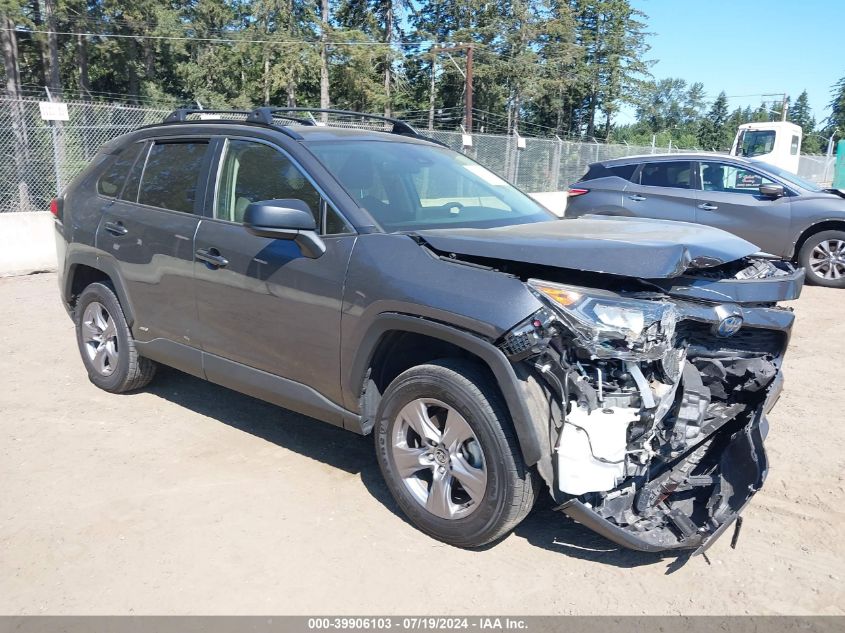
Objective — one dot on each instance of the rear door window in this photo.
(112, 180)
(171, 175)
(133, 182)
(677, 174)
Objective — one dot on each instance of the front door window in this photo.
(728, 178)
(252, 172)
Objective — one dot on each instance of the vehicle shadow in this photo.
(556, 532)
(354, 454)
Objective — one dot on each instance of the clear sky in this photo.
(749, 46)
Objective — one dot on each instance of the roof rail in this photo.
(265, 115)
(181, 114)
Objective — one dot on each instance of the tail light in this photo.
(577, 192)
(56, 208)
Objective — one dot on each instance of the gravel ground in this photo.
(189, 498)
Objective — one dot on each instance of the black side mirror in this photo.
(287, 219)
(772, 191)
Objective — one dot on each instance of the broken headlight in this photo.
(609, 325)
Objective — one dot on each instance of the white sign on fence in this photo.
(53, 111)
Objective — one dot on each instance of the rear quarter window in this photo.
(117, 169)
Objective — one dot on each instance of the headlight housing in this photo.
(609, 325)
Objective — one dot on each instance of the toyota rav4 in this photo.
(378, 281)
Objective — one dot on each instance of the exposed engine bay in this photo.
(660, 398)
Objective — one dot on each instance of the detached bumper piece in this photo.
(692, 504)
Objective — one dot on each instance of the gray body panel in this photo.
(660, 203)
(482, 302)
(758, 220)
(775, 226)
(271, 308)
(155, 259)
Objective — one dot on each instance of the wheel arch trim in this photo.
(97, 262)
(528, 430)
(818, 226)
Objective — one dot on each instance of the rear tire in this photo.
(469, 455)
(105, 343)
(823, 259)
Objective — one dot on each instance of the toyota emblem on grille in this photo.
(728, 326)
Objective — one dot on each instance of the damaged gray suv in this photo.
(380, 282)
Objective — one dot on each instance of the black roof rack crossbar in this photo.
(265, 115)
(180, 115)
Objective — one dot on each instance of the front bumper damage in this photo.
(742, 468)
(663, 454)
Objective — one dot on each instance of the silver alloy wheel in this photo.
(439, 458)
(828, 259)
(99, 338)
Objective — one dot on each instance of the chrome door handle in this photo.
(636, 197)
(212, 257)
(116, 228)
(708, 206)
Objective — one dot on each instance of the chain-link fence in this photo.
(538, 164)
(38, 158)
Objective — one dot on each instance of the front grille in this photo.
(754, 340)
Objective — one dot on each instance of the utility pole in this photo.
(467, 78)
(783, 106)
(468, 90)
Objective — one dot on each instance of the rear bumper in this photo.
(742, 469)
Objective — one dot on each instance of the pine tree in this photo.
(836, 120)
(556, 80)
(713, 132)
(611, 34)
(801, 114)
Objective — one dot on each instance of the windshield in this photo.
(407, 187)
(757, 142)
(788, 176)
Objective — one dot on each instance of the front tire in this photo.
(106, 344)
(446, 448)
(823, 259)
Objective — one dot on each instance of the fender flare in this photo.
(108, 268)
(530, 431)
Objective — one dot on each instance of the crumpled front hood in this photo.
(633, 247)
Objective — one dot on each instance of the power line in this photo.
(220, 40)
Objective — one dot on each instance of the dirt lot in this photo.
(189, 498)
